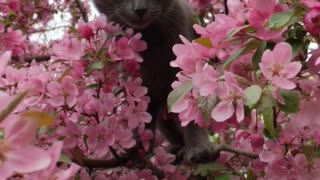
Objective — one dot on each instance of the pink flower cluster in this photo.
(91, 87)
(245, 79)
(249, 78)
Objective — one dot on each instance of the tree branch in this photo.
(36, 58)
(97, 163)
(225, 147)
(226, 10)
(82, 11)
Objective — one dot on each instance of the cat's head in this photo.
(137, 14)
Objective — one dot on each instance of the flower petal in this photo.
(223, 111)
(283, 83)
(292, 69)
(240, 110)
(283, 53)
(28, 159)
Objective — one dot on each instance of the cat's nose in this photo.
(140, 12)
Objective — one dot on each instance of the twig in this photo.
(37, 58)
(226, 10)
(225, 147)
(96, 163)
(82, 11)
(114, 153)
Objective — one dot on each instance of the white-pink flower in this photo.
(68, 49)
(205, 81)
(52, 171)
(163, 160)
(17, 154)
(64, 92)
(4, 59)
(231, 95)
(277, 67)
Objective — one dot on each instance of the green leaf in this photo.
(291, 100)
(251, 44)
(207, 168)
(65, 159)
(233, 57)
(93, 86)
(95, 66)
(296, 44)
(12, 105)
(234, 31)
(6, 22)
(268, 120)
(251, 175)
(206, 104)
(177, 94)
(258, 54)
(280, 20)
(266, 101)
(224, 177)
(252, 95)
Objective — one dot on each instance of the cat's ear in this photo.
(104, 6)
(103, 3)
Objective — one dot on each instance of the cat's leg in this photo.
(169, 126)
(198, 148)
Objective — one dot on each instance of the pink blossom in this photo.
(189, 54)
(17, 153)
(162, 160)
(14, 75)
(98, 23)
(137, 115)
(145, 137)
(4, 59)
(52, 172)
(135, 91)
(124, 138)
(259, 14)
(276, 66)
(205, 81)
(68, 49)
(248, 141)
(229, 92)
(85, 30)
(13, 40)
(217, 30)
(313, 63)
(64, 92)
(14, 5)
(137, 44)
(99, 138)
(292, 167)
(71, 134)
(312, 21)
(104, 105)
(199, 4)
(311, 3)
(146, 174)
(120, 50)
(187, 107)
(139, 175)
(37, 79)
(261, 11)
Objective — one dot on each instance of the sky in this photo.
(59, 20)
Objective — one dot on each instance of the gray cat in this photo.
(160, 22)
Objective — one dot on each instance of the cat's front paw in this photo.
(201, 153)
